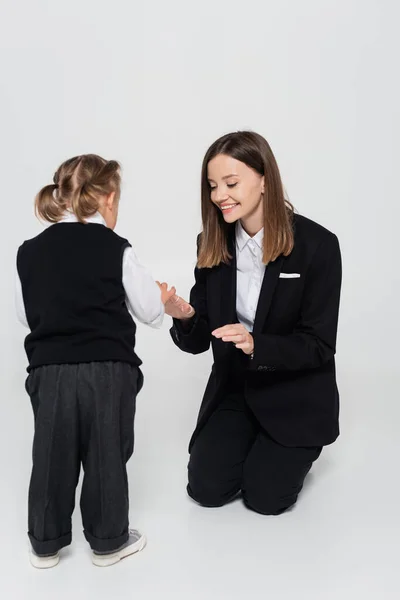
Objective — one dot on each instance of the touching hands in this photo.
(175, 306)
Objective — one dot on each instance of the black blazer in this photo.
(290, 384)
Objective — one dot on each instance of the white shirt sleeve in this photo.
(143, 296)
(19, 302)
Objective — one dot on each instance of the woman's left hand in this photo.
(238, 335)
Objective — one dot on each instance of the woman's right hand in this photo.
(176, 307)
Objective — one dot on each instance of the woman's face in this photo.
(235, 189)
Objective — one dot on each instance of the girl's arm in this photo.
(143, 297)
(19, 302)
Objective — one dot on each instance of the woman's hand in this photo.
(175, 306)
(238, 335)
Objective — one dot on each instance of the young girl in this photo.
(266, 297)
(77, 284)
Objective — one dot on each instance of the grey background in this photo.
(152, 84)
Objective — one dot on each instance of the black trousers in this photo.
(233, 454)
(84, 414)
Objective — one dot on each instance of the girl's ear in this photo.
(110, 199)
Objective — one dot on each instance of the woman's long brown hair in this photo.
(253, 150)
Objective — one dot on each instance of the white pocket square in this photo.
(289, 275)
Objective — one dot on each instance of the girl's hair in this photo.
(253, 150)
(78, 186)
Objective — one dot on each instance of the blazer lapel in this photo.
(228, 290)
(270, 280)
(222, 295)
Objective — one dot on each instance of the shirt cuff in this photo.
(158, 321)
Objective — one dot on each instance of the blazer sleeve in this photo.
(313, 341)
(193, 335)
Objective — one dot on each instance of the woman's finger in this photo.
(178, 300)
(229, 330)
(187, 309)
(236, 339)
(244, 346)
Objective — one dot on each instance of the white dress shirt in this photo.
(143, 296)
(250, 274)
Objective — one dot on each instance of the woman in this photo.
(266, 297)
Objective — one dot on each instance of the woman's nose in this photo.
(221, 195)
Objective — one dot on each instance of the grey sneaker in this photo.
(44, 561)
(135, 543)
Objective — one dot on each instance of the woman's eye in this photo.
(231, 185)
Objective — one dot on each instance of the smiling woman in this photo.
(241, 178)
(266, 297)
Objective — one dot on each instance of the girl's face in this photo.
(235, 189)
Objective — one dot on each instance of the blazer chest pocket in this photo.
(288, 294)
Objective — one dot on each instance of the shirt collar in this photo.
(70, 217)
(243, 238)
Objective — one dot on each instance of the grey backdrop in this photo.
(152, 84)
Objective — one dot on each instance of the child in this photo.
(77, 283)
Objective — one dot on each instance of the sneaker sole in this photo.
(107, 560)
(44, 562)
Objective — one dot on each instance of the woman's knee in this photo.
(268, 509)
(209, 492)
(268, 504)
(204, 497)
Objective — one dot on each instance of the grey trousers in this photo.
(84, 414)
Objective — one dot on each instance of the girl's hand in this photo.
(175, 306)
(238, 335)
(166, 294)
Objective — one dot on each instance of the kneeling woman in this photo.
(266, 297)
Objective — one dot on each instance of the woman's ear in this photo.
(263, 185)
